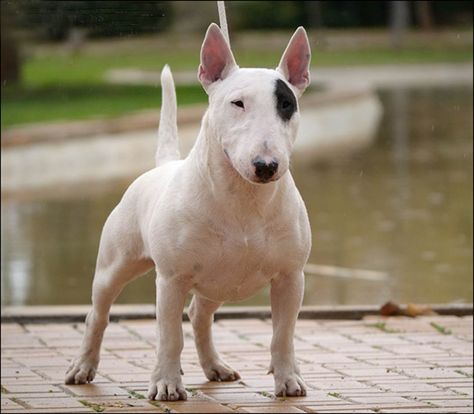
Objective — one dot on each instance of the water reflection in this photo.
(403, 206)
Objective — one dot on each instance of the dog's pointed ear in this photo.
(217, 61)
(294, 64)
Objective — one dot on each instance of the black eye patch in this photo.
(286, 104)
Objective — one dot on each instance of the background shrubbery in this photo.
(52, 20)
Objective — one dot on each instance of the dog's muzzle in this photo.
(265, 171)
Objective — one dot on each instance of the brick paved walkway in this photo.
(374, 365)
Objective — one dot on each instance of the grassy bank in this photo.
(58, 85)
(84, 101)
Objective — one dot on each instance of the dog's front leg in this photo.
(201, 312)
(165, 383)
(286, 298)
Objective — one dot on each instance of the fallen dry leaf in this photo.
(418, 310)
(393, 309)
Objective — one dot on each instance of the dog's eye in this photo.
(285, 104)
(240, 104)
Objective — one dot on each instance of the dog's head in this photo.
(254, 112)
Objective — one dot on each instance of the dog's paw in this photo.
(219, 371)
(290, 386)
(167, 390)
(81, 370)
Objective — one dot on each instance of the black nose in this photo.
(264, 171)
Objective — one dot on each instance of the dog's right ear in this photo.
(217, 61)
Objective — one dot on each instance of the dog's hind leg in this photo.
(201, 312)
(113, 271)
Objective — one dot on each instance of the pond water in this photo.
(402, 207)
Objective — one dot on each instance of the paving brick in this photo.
(451, 402)
(365, 372)
(269, 409)
(350, 407)
(237, 398)
(8, 404)
(392, 362)
(10, 363)
(128, 377)
(47, 403)
(343, 384)
(429, 373)
(53, 394)
(456, 349)
(425, 410)
(467, 390)
(17, 372)
(95, 390)
(381, 399)
(53, 410)
(406, 386)
(115, 404)
(63, 342)
(327, 357)
(449, 361)
(349, 366)
(200, 407)
(262, 382)
(44, 361)
(35, 388)
(351, 410)
(415, 349)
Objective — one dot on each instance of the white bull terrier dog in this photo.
(220, 224)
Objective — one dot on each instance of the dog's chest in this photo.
(230, 260)
(236, 259)
(237, 262)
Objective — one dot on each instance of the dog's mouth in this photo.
(252, 177)
(258, 180)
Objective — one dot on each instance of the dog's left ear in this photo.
(294, 64)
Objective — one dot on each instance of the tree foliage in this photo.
(52, 19)
(339, 14)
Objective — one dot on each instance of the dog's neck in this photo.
(221, 179)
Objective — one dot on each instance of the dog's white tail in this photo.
(167, 149)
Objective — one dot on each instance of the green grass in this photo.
(54, 68)
(379, 56)
(440, 328)
(334, 394)
(266, 394)
(192, 391)
(96, 407)
(466, 374)
(84, 101)
(56, 86)
(382, 326)
(160, 406)
(136, 395)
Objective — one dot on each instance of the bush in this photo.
(289, 14)
(53, 20)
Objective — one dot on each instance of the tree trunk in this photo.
(424, 14)
(10, 59)
(398, 23)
